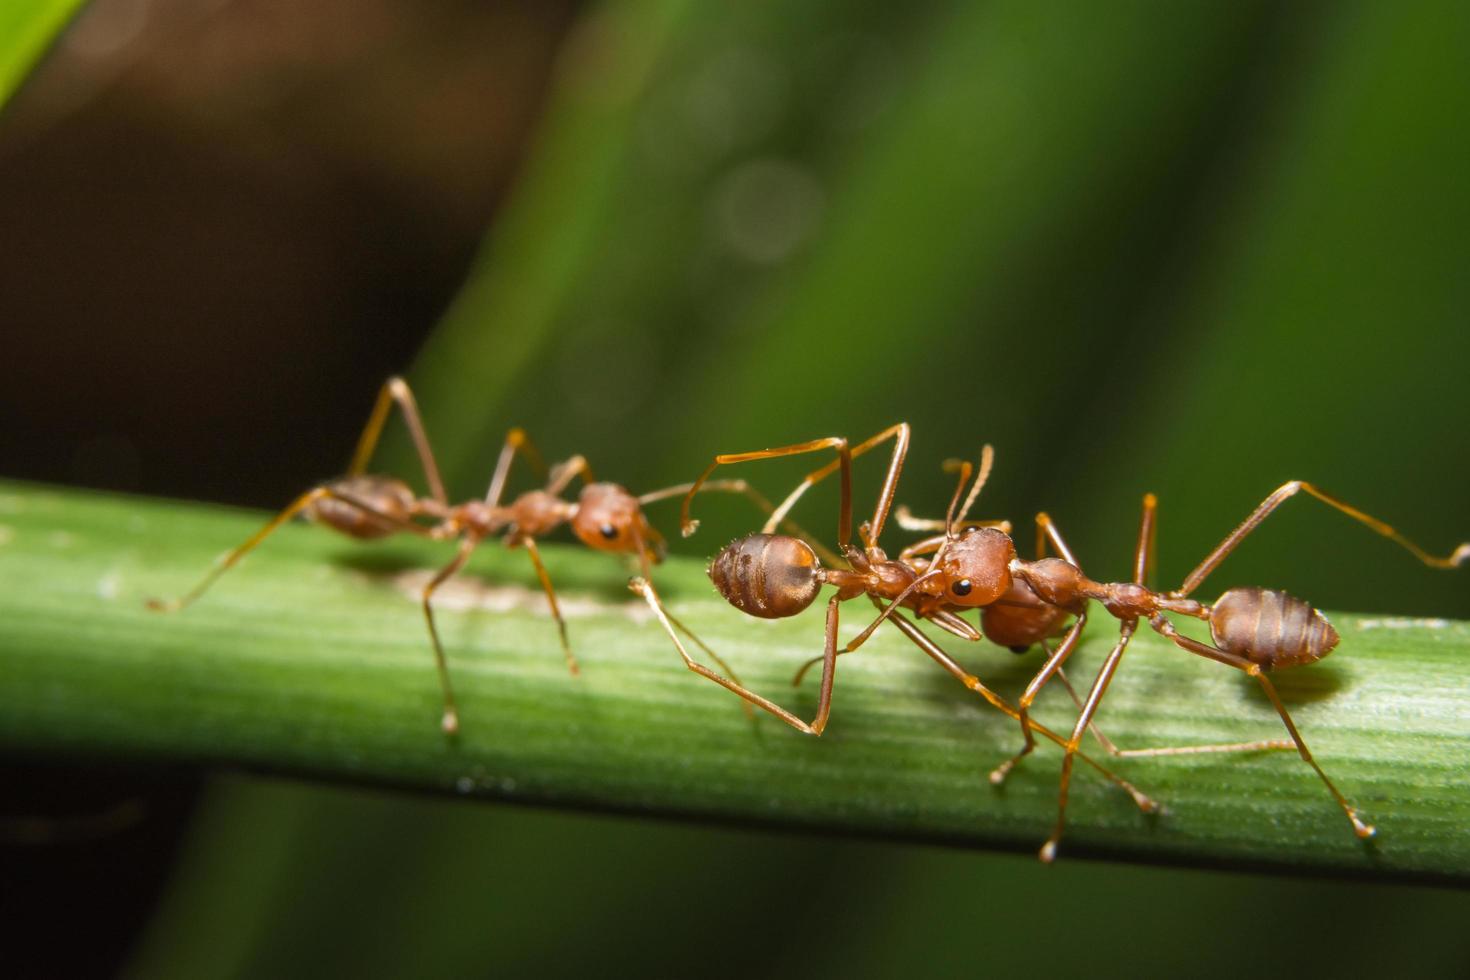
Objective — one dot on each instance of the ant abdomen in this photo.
(392, 500)
(1270, 628)
(1019, 619)
(767, 575)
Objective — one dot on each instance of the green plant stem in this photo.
(311, 658)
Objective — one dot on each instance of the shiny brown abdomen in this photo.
(1270, 628)
(767, 575)
(392, 499)
(1019, 619)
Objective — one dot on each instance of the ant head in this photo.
(975, 567)
(610, 518)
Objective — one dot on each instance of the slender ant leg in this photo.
(516, 441)
(232, 557)
(450, 724)
(1162, 625)
(907, 627)
(844, 459)
(395, 389)
(645, 588)
(755, 497)
(564, 472)
(561, 624)
(1141, 562)
(1280, 496)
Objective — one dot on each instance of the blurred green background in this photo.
(1198, 249)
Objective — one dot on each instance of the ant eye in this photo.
(608, 531)
(962, 587)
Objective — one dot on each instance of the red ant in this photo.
(605, 516)
(773, 576)
(1254, 630)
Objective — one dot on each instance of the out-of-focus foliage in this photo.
(26, 29)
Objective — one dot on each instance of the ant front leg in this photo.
(829, 659)
(395, 389)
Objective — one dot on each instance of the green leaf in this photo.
(311, 658)
(27, 28)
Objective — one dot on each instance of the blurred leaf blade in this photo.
(311, 660)
(537, 251)
(27, 29)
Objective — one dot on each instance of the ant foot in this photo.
(450, 724)
(999, 773)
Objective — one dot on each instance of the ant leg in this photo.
(824, 699)
(844, 463)
(516, 441)
(450, 722)
(945, 620)
(687, 524)
(1162, 625)
(900, 434)
(1102, 739)
(1089, 708)
(1048, 532)
(1261, 745)
(395, 389)
(870, 531)
(909, 520)
(561, 624)
(755, 497)
(924, 546)
(1283, 493)
(230, 559)
(1141, 557)
(1028, 697)
(1144, 802)
(564, 472)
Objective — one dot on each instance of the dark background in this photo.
(1195, 249)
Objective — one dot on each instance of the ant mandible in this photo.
(605, 517)
(1254, 630)
(773, 576)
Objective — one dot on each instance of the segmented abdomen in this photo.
(391, 500)
(767, 575)
(1271, 628)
